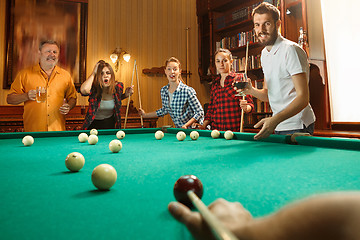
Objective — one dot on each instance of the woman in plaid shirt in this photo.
(105, 95)
(178, 99)
(224, 111)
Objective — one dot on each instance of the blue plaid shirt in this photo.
(183, 106)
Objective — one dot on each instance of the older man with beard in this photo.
(286, 77)
(48, 115)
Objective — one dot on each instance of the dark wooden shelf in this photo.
(225, 5)
(233, 26)
(243, 48)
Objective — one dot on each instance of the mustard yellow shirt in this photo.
(44, 116)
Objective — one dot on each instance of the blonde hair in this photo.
(175, 60)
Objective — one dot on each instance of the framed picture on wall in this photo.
(28, 22)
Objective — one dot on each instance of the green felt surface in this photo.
(41, 199)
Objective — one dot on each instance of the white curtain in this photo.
(342, 48)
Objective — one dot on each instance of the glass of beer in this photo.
(40, 94)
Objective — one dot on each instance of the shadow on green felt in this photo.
(64, 173)
(92, 193)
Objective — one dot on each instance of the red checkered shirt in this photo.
(224, 112)
(94, 104)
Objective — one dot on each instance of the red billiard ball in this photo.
(183, 185)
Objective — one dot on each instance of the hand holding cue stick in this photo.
(220, 231)
(138, 84)
(243, 97)
(128, 103)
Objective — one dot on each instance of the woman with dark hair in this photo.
(105, 95)
(224, 111)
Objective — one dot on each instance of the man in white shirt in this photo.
(286, 77)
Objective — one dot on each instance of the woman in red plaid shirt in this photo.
(105, 95)
(224, 111)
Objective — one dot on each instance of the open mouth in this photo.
(51, 58)
(263, 35)
(106, 81)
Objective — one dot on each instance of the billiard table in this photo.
(41, 199)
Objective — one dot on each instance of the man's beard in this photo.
(271, 40)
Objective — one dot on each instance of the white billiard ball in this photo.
(83, 137)
(215, 133)
(159, 135)
(115, 146)
(120, 134)
(93, 132)
(228, 135)
(194, 135)
(104, 176)
(180, 135)
(74, 161)
(93, 139)
(28, 140)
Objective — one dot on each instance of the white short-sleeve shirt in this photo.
(285, 59)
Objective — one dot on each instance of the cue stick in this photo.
(138, 86)
(187, 54)
(219, 230)
(128, 103)
(243, 97)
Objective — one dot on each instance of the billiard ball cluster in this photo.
(181, 135)
(104, 175)
(228, 135)
(194, 135)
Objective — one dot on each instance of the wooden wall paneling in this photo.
(3, 92)
(150, 30)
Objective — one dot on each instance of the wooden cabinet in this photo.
(11, 118)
